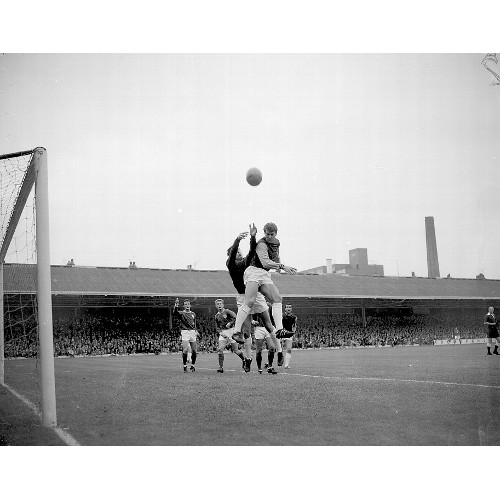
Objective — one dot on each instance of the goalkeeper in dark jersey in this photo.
(187, 319)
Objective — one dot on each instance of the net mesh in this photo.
(18, 244)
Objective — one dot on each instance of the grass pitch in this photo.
(433, 395)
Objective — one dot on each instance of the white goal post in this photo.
(36, 174)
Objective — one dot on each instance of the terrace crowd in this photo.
(97, 333)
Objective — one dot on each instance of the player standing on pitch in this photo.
(492, 331)
(261, 334)
(258, 279)
(289, 324)
(187, 320)
(224, 322)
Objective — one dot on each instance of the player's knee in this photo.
(249, 302)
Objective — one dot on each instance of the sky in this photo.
(147, 155)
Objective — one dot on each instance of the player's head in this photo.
(219, 304)
(270, 231)
(239, 255)
(288, 308)
(491, 309)
(187, 305)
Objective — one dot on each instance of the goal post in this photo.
(35, 173)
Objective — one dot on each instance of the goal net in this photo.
(26, 309)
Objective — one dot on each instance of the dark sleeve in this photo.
(231, 260)
(251, 252)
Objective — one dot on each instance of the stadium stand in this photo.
(106, 311)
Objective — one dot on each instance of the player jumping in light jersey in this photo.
(258, 279)
(187, 320)
(236, 264)
(224, 322)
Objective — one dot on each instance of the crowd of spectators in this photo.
(343, 330)
(99, 333)
(93, 334)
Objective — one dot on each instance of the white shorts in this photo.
(258, 275)
(261, 333)
(189, 335)
(260, 304)
(227, 334)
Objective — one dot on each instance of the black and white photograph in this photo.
(249, 252)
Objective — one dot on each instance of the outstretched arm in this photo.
(270, 264)
(253, 244)
(234, 249)
(176, 307)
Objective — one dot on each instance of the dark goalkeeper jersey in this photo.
(237, 269)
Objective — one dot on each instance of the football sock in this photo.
(240, 354)
(221, 359)
(279, 347)
(258, 358)
(248, 348)
(184, 358)
(270, 358)
(193, 357)
(287, 358)
(277, 310)
(280, 358)
(241, 316)
(488, 347)
(495, 351)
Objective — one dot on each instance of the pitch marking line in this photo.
(372, 378)
(395, 380)
(65, 436)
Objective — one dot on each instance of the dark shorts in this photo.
(492, 334)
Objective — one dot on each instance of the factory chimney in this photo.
(432, 253)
